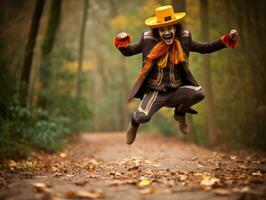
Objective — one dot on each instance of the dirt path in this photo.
(102, 166)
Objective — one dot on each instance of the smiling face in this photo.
(167, 34)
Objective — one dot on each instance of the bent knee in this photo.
(199, 96)
(141, 117)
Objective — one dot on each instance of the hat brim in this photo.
(152, 21)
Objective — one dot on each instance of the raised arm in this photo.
(122, 42)
(228, 40)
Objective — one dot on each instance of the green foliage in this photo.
(165, 125)
(30, 128)
(24, 128)
(47, 135)
(64, 106)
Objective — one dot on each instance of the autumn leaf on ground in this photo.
(63, 155)
(222, 191)
(182, 177)
(243, 167)
(83, 194)
(208, 182)
(10, 164)
(71, 194)
(81, 183)
(233, 157)
(91, 167)
(258, 173)
(29, 165)
(40, 187)
(94, 161)
(144, 182)
(117, 182)
(149, 190)
(93, 194)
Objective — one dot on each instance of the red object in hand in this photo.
(230, 40)
(122, 42)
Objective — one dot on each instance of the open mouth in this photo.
(168, 36)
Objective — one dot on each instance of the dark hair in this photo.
(178, 31)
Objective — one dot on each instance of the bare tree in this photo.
(204, 14)
(47, 47)
(27, 63)
(179, 5)
(81, 47)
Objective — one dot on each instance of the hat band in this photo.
(167, 18)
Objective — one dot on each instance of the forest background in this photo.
(61, 75)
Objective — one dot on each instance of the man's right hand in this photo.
(122, 36)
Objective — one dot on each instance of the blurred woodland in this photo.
(61, 75)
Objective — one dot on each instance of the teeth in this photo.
(168, 36)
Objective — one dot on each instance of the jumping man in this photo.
(165, 79)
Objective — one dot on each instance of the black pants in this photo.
(181, 99)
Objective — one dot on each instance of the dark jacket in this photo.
(148, 41)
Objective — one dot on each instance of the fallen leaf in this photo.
(70, 175)
(247, 190)
(257, 162)
(28, 165)
(258, 173)
(40, 187)
(144, 182)
(148, 171)
(91, 167)
(243, 167)
(233, 157)
(81, 183)
(182, 177)
(91, 194)
(63, 155)
(11, 164)
(200, 165)
(133, 168)
(71, 194)
(149, 190)
(148, 162)
(117, 182)
(58, 174)
(40, 177)
(132, 181)
(55, 169)
(222, 191)
(93, 161)
(208, 182)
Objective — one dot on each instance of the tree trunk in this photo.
(124, 113)
(204, 12)
(81, 48)
(27, 63)
(47, 47)
(179, 5)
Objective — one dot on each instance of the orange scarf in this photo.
(162, 51)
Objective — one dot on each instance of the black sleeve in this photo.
(132, 49)
(205, 47)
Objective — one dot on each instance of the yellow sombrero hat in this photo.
(164, 16)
